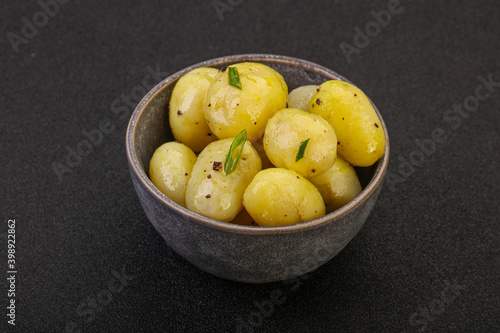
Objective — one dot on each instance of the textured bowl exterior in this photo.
(235, 252)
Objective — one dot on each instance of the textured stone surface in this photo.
(426, 258)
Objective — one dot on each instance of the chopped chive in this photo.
(302, 149)
(231, 162)
(234, 78)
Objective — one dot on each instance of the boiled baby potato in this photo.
(170, 169)
(229, 110)
(280, 196)
(338, 186)
(186, 111)
(285, 132)
(299, 97)
(361, 139)
(212, 193)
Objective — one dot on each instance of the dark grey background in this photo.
(435, 224)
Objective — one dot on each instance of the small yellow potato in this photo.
(361, 139)
(300, 97)
(338, 185)
(229, 110)
(186, 110)
(212, 193)
(280, 196)
(170, 169)
(285, 132)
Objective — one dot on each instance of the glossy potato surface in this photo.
(186, 110)
(229, 110)
(279, 196)
(361, 139)
(338, 185)
(287, 129)
(212, 193)
(170, 169)
(299, 97)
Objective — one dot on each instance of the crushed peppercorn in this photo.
(217, 166)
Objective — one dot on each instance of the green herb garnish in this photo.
(234, 78)
(232, 161)
(302, 149)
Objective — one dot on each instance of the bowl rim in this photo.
(135, 166)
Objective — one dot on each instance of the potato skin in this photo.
(287, 129)
(212, 193)
(361, 139)
(170, 169)
(186, 110)
(229, 110)
(280, 196)
(300, 97)
(338, 185)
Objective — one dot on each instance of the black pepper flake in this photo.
(338, 142)
(313, 170)
(207, 196)
(355, 94)
(186, 174)
(179, 112)
(209, 176)
(217, 166)
(318, 101)
(376, 125)
(223, 69)
(209, 104)
(318, 89)
(209, 134)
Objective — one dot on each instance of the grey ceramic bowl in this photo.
(236, 252)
